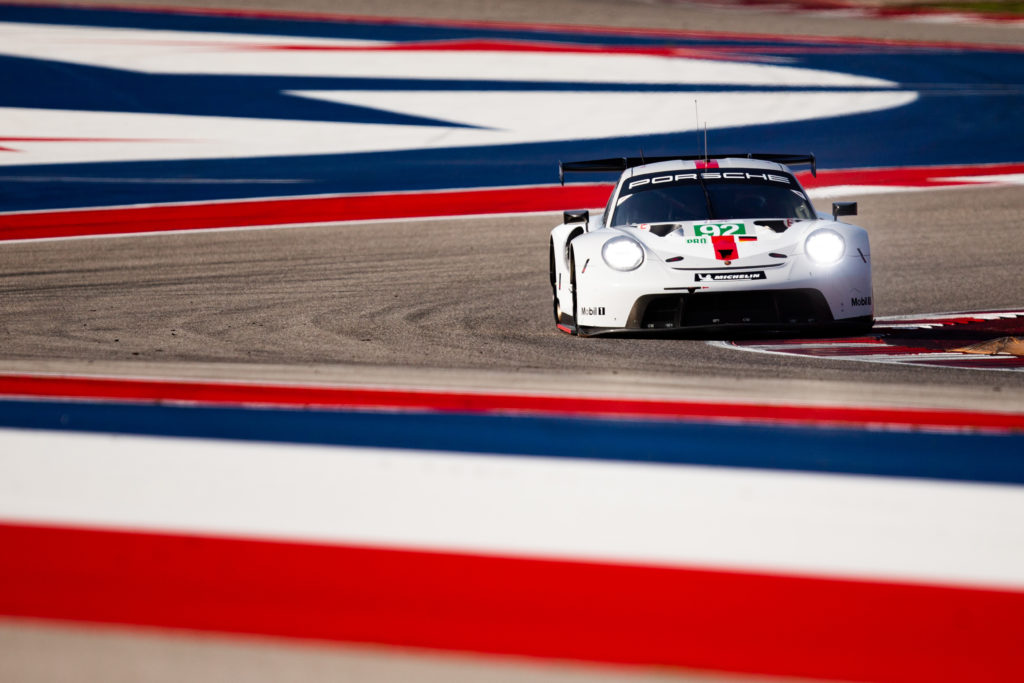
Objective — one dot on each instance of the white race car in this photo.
(721, 241)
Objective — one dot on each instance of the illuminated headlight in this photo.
(622, 253)
(825, 247)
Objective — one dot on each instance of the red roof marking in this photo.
(725, 247)
(229, 393)
(706, 164)
(629, 614)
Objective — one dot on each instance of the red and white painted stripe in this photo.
(291, 211)
(905, 11)
(485, 117)
(786, 573)
(881, 180)
(562, 509)
(890, 342)
(782, 573)
(647, 615)
(186, 392)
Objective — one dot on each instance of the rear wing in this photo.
(622, 163)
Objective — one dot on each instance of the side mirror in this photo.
(843, 209)
(576, 216)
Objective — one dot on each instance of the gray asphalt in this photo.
(460, 294)
(112, 654)
(672, 15)
(456, 301)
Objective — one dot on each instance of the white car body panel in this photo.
(680, 262)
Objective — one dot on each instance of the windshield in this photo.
(680, 196)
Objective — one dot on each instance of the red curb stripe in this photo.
(287, 211)
(745, 622)
(468, 402)
(886, 350)
(911, 176)
(398, 205)
(874, 11)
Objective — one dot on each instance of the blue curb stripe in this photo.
(956, 457)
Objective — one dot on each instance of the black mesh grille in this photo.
(764, 307)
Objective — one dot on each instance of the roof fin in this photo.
(696, 118)
(706, 143)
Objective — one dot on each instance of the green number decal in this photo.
(720, 229)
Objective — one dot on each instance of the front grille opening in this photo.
(765, 307)
(802, 306)
(662, 312)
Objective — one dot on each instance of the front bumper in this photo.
(746, 310)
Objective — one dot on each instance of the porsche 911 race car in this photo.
(721, 241)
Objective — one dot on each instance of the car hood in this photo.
(737, 242)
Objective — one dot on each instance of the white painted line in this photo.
(818, 345)
(920, 531)
(184, 52)
(485, 116)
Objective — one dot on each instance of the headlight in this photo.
(622, 253)
(825, 247)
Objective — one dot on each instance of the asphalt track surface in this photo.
(452, 302)
(466, 301)
(465, 294)
(672, 15)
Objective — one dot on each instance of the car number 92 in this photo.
(714, 229)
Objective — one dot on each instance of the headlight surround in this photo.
(825, 247)
(622, 253)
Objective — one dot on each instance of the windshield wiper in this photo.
(707, 197)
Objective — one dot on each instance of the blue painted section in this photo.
(957, 457)
(969, 100)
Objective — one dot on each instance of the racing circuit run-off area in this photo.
(281, 394)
